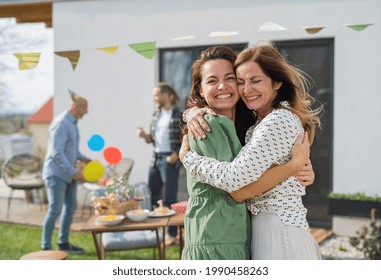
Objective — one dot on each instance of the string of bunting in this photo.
(27, 61)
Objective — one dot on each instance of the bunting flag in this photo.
(225, 35)
(271, 26)
(313, 29)
(358, 27)
(110, 50)
(27, 61)
(146, 49)
(189, 37)
(73, 57)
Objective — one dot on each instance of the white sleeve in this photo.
(272, 140)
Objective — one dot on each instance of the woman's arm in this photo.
(275, 175)
(270, 145)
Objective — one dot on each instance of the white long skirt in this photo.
(272, 240)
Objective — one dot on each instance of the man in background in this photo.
(61, 175)
(165, 137)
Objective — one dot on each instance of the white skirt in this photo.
(272, 240)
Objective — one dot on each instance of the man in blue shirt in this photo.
(61, 175)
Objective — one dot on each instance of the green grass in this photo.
(18, 240)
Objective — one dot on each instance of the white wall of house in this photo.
(119, 86)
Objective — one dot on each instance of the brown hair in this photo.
(165, 87)
(244, 117)
(294, 88)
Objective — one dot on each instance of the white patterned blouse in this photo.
(268, 143)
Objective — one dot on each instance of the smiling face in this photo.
(219, 86)
(255, 88)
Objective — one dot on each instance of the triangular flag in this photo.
(73, 57)
(110, 50)
(146, 49)
(189, 37)
(223, 33)
(27, 60)
(271, 26)
(358, 27)
(313, 29)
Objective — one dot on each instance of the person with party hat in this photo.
(61, 175)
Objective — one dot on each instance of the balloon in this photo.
(96, 143)
(112, 155)
(93, 171)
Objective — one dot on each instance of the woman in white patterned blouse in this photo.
(277, 93)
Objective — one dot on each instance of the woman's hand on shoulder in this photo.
(196, 122)
(184, 148)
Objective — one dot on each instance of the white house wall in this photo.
(119, 86)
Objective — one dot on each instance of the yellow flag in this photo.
(146, 49)
(110, 50)
(73, 57)
(314, 29)
(27, 60)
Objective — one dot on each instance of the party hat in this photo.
(73, 95)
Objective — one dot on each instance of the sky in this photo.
(27, 90)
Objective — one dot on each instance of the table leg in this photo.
(160, 246)
(97, 237)
(181, 240)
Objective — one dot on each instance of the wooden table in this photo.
(154, 224)
(178, 220)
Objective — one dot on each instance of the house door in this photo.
(315, 57)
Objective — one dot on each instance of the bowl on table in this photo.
(110, 220)
(137, 215)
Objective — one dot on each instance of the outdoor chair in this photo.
(23, 172)
(129, 240)
(123, 168)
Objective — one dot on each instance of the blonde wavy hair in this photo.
(295, 84)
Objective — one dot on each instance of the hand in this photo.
(172, 158)
(141, 133)
(79, 176)
(300, 153)
(306, 175)
(184, 148)
(196, 123)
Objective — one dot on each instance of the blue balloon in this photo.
(96, 143)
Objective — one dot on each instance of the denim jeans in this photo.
(62, 196)
(166, 175)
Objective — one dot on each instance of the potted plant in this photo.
(354, 205)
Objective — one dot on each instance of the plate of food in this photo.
(161, 213)
(109, 220)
